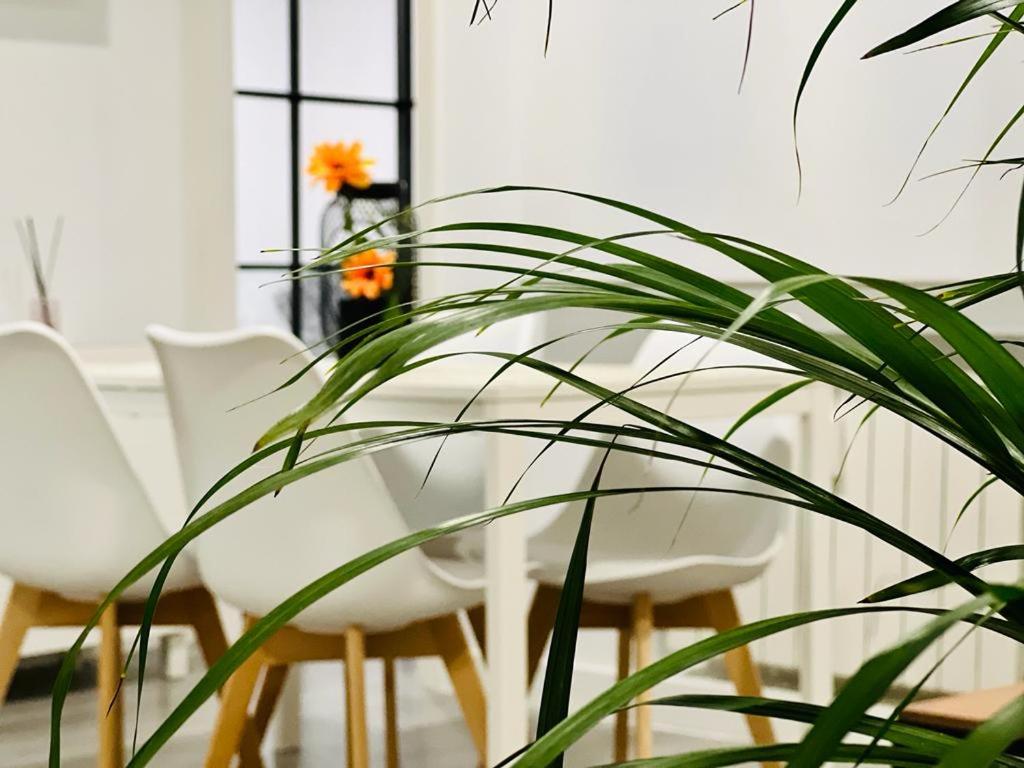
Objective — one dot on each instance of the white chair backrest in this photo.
(456, 482)
(267, 550)
(659, 525)
(75, 515)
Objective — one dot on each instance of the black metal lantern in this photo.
(353, 210)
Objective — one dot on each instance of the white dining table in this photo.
(130, 380)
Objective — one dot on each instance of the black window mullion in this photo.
(317, 97)
(293, 55)
(404, 48)
(269, 265)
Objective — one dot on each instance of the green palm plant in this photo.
(910, 351)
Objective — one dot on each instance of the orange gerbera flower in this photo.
(339, 164)
(368, 274)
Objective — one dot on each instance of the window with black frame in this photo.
(310, 73)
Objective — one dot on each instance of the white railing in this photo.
(913, 481)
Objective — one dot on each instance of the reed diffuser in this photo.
(42, 272)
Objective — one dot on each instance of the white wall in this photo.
(638, 101)
(117, 114)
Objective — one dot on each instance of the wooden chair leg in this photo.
(622, 716)
(274, 678)
(355, 698)
(723, 614)
(20, 615)
(207, 626)
(233, 717)
(469, 691)
(539, 626)
(108, 698)
(390, 714)
(642, 629)
(213, 643)
(478, 621)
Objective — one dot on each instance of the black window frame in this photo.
(295, 97)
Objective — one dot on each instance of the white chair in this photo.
(76, 519)
(270, 549)
(657, 562)
(455, 486)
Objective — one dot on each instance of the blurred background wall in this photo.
(117, 115)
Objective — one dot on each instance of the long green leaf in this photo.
(966, 505)
(871, 681)
(764, 404)
(926, 582)
(812, 61)
(1019, 239)
(1000, 370)
(962, 384)
(951, 16)
(914, 358)
(894, 757)
(1014, 119)
(1017, 14)
(554, 702)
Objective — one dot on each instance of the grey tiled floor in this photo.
(431, 731)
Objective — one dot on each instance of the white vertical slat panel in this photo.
(907, 510)
(925, 478)
(998, 659)
(962, 480)
(851, 560)
(887, 499)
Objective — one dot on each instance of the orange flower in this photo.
(368, 274)
(339, 164)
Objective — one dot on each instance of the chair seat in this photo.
(459, 572)
(184, 575)
(333, 616)
(438, 593)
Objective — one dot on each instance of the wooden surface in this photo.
(963, 711)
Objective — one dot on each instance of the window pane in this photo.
(349, 48)
(261, 45)
(376, 127)
(264, 297)
(260, 301)
(262, 181)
